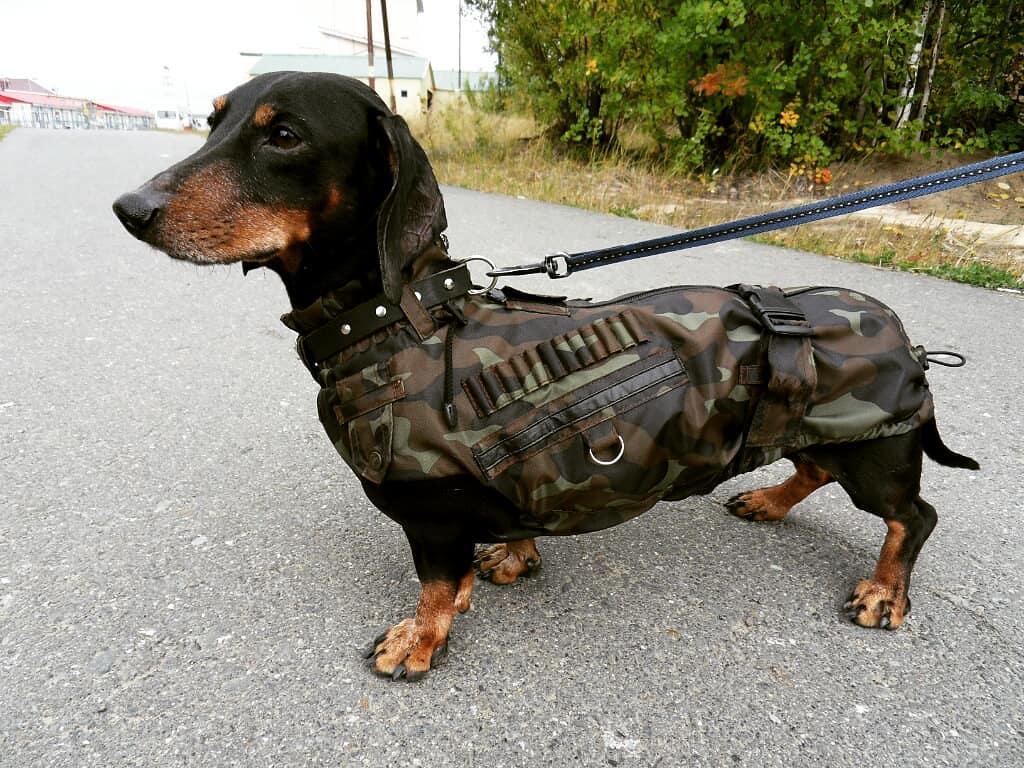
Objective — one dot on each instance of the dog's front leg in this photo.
(444, 565)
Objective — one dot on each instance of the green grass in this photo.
(625, 211)
(971, 272)
(4, 130)
(886, 258)
(975, 273)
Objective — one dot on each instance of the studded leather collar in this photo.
(351, 326)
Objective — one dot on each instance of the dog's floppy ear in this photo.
(412, 215)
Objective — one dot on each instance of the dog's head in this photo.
(294, 162)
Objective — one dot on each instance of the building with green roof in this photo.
(413, 83)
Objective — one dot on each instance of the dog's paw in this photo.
(504, 563)
(756, 505)
(406, 651)
(873, 604)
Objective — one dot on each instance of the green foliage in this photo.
(975, 273)
(625, 211)
(752, 82)
(971, 272)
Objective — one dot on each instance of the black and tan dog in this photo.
(499, 417)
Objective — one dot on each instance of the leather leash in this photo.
(563, 264)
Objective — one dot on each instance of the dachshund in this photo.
(493, 417)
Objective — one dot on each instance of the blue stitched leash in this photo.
(564, 264)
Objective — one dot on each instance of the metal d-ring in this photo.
(622, 450)
(494, 279)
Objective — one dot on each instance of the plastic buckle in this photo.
(783, 321)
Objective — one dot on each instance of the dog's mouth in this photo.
(202, 258)
(256, 262)
(213, 246)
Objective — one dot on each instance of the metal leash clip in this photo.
(550, 266)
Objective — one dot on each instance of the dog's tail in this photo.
(936, 450)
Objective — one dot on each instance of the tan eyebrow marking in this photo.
(219, 103)
(264, 114)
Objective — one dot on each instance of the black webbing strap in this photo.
(792, 376)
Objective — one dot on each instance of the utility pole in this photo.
(369, 41)
(188, 105)
(460, 46)
(387, 53)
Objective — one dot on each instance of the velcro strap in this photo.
(359, 322)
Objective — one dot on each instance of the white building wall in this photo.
(409, 105)
(21, 114)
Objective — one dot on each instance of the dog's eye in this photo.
(283, 138)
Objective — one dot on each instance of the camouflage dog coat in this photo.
(585, 414)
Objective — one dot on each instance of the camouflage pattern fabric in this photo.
(550, 393)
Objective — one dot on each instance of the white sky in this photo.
(115, 51)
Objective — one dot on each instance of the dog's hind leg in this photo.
(883, 600)
(774, 502)
(504, 563)
(883, 477)
(444, 565)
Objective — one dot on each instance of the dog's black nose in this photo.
(136, 210)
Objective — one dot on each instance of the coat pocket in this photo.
(364, 415)
(579, 412)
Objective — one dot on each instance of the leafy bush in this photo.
(752, 82)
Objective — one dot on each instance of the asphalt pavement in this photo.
(188, 571)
